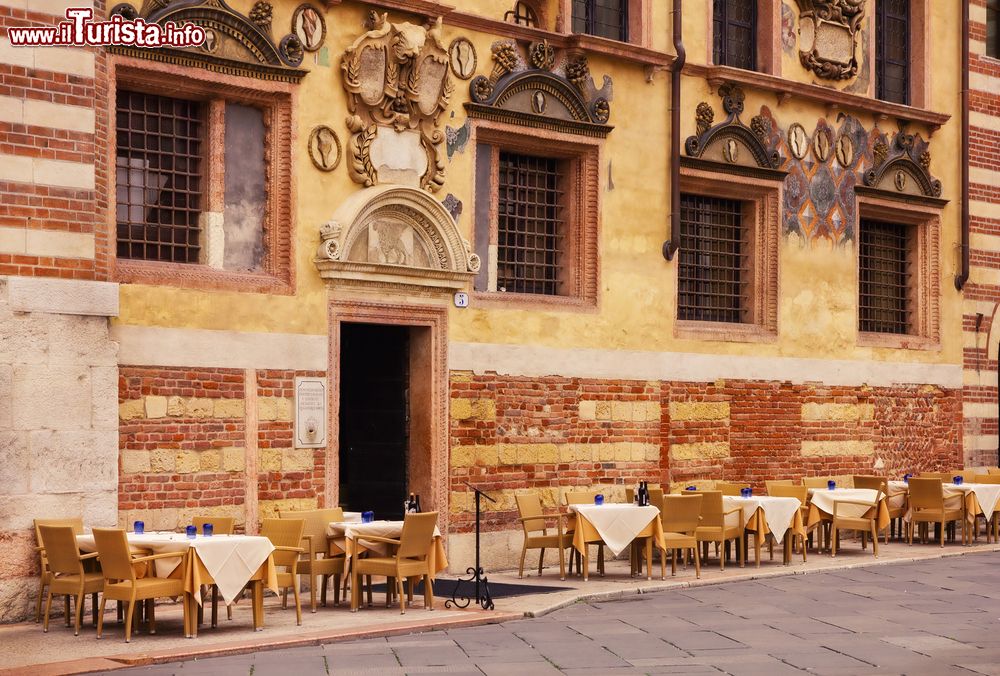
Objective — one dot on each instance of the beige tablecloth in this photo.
(979, 498)
(230, 561)
(821, 505)
(350, 538)
(898, 490)
(616, 524)
(779, 513)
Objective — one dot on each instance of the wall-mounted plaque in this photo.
(310, 412)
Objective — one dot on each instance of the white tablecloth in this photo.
(355, 530)
(988, 495)
(823, 498)
(779, 512)
(230, 559)
(617, 524)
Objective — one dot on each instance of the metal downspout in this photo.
(670, 246)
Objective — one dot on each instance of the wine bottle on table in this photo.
(416, 504)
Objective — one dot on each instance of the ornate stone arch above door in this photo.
(397, 237)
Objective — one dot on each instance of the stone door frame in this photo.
(434, 318)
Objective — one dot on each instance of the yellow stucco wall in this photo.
(818, 296)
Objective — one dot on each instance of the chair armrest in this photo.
(732, 511)
(300, 550)
(376, 538)
(153, 557)
(92, 555)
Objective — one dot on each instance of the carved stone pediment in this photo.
(397, 82)
(827, 36)
(902, 167)
(535, 90)
(395, 236)
(731, 145)
(234, 44)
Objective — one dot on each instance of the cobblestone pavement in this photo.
(931, 617)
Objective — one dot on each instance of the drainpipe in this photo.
(670, 246)
(963, 276)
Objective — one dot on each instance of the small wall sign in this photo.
(461, 299)
(310, 412)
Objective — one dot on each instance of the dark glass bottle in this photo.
(416, 504)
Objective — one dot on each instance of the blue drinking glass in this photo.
(207, 529)
(192, 532)
(599, 499)
(139, 527)
(957, 480)
(367, 517)
(906, 478)
(745, 492)
(831, 484)
(691, 488)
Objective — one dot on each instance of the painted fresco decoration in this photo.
(827, 36)
(541, 88)
(324, 148)
(902, 165)
(396, 78)
(309, 26)
(731, 141)
(235, 44)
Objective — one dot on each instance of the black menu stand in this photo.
(482, 597)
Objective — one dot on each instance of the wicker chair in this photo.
(286, 536)
(409, 561)
(993, 523)
(681, 518)
(586, 497)
(533, 520)
(816, 481)
(221, 525)
(319, 562)
(713, 527)
(866, 523)
(46, 575)
(927, 506)
(730, 488)
(67, 574)
(121, 584)
(800, 493)
(881, 483)
(777, 482)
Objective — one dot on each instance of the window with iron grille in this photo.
(712, 274)
(892, 50)
(992, 29)
(603, 18)
(734, 33)
(885, 277)
(522, 15)
(530, 226)
(158, 177)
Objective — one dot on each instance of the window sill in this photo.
(530, 301)
(723, 332)
(897, 341)
(832, 98)
(192, 276)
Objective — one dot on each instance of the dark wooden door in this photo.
(374, 418)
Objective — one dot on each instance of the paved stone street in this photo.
(930, 617)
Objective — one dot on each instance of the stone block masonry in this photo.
(547, 434)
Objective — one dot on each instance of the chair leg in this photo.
(298, 601)
(562, 562)
(48, 609)
(66, 614)
(874, 539)
(741, 543)
(38, 604)
(336, 589)
(541, 559)
(215, 606)
(79, 611)
(151, 614)
(722, 557)
(697, 564)
(312, 591)
(520, 570)
(402, 599)
(100, 616)
(128, 619)
(323, 585)
(943, 529)
(93, 607)
(834, 540)
(428, 593)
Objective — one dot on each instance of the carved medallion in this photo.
(310, 27)
(845, 151)
(900, 180)
(462, 57)
(324, 148)
(822, 144)
(542, 55)
(538, 102)
(211, 42)
(895, 164)
(731, 151)
(798, 141)
(827, 36)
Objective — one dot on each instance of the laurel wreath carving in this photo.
(361, 167)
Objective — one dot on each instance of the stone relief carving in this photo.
(309, 26)
(906, 157)
(324, 148)
(396, 78)
(235, 44)
(726, 138)
(822, 144)
(798, 141)
(827, 36)
(541, 88)
(462, 57)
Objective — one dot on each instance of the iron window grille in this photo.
(603, 18)
(530, 227)
(892, 50)
(712, 274)
(885, 277)
(522, 15)
(734, 33)
(158, 177)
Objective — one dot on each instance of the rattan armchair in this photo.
(409, 561)
(816, 481)
(221, 525)
(681, 516)
(67, 574)
(121, 583)
(730, 488)
(536, 533)
(866, 523)
(286, 536)
(927, 505)
(800, 493)
(319, 562)
(881, 483)
(777, 482)
(713, 527)
(45, 575)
